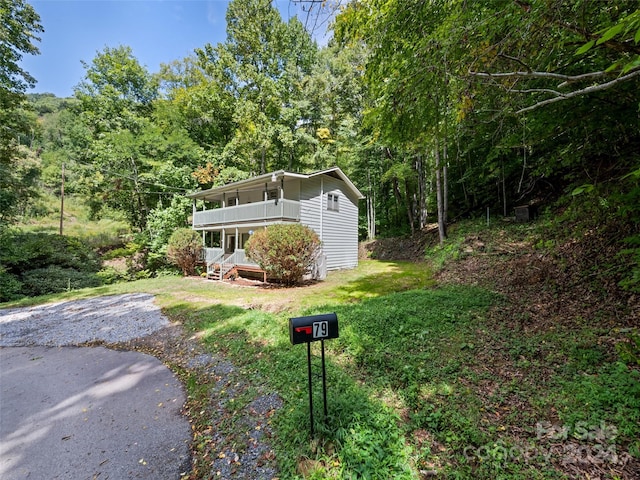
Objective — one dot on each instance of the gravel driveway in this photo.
(113, 319)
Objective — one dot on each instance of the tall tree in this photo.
(262, 65)
(514, 99)
(19, 27)
(137, 156)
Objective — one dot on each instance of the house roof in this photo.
(251, 183)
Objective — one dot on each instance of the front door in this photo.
(231, 244)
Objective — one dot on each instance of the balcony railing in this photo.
(250, 212)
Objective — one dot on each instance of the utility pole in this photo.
(62, 200)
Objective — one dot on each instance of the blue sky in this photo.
(158, 31)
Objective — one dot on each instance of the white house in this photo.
(326, 201)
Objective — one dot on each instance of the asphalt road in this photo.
(90, 413)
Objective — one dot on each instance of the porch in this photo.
(221, 265)
(248, 214)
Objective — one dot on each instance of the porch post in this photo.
(236, 248)
(321, 208)
(223, 241)
(282, 197)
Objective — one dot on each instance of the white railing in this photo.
(219, 268)
(283, 209)
(212, 255)
(242, 259)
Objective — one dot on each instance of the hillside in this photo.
(546, 281)
(563, 315)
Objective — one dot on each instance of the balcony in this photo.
(248, 213)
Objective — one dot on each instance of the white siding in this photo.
(310, 204)
(338, 230)
(292, 189)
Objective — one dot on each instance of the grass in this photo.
(107, 231)
(422, 378)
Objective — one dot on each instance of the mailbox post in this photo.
(309, 329)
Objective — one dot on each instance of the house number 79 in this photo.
(320, 329)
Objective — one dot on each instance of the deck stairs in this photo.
(221, 264)
(218, 268)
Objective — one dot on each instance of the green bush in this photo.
(184, 249)
(110, 275)
(41, 263)
(10, 286)
(55, 279)
(285, 251)
(21, 252)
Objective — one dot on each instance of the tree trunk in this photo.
(398, 199)
(442, 232)
(422, 197)
(142, 217)
(407, 194)
(445, 191)
(371, 210)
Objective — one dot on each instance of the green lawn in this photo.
(420, 380)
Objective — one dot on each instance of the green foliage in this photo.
(10, 286)
(631, 255)
(55, 279)
(35, 264)
(371, 444)
(424, 379)
(184, 249)
(611, 392)
(22, 252)
(129, 249)
(286, 252)
(19, 27)
(162, 222)
(111, 275)
(629, 350)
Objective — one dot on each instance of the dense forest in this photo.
(437, 110)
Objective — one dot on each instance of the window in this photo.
(332, 202)
(272, 195)
(245, 238)
(232, 202)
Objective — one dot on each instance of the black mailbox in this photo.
(313, 328)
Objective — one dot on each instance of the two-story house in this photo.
(326, 201)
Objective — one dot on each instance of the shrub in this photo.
(10, 286)
(42, 263)
(55, 279)
(184, 249)
(21, 252)
(162, 222)
(285, 251)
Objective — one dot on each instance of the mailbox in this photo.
(313, 328)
